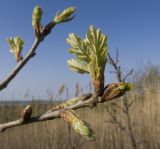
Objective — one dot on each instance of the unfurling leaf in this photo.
(115, 90)
(78, 66)
(78, 47)
(36, 20)
(91, 51)
(16, 46)
(80, 126)
(65, 15)
(97, 44)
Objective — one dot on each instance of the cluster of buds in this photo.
(16, 46)
(36, 20)
(26, 113)
(65, 15)
(90, 56)
(60, 17)
(115, 90)
(80, 126)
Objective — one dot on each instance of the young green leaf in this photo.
(97, 44)
(78, 47)
(92, 50)
(65, 15)
(91, 54)
(16, 46)
(77, 66)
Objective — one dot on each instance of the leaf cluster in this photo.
(90, 53)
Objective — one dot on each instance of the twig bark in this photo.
(115, 120)
(46, 116)
(20, 65)
(126, 105)
(130, 128)
(4, 83)
(116, 67)
(31, 53)
(128, 74)
(90, 101)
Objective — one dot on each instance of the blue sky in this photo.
(133, 26)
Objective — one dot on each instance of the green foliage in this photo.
(16, 46)
(65, 15)
(91, 53)
(78, 66)
(80, 126)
